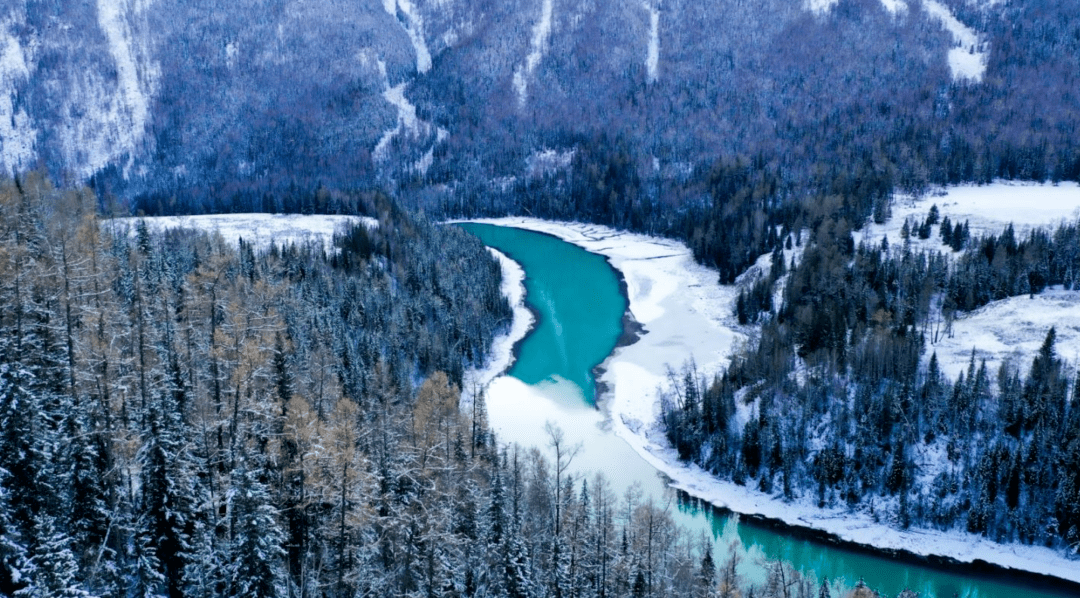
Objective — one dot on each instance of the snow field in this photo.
(262, 230)
(1014, 327)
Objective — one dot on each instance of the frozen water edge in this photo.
(502, 348)
(686, 313)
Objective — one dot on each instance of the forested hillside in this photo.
(839, 409)
(182, 417)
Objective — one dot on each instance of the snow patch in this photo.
(966, 61)
(1012, 328)
(548, 161)
(413, 23)
(988, 209)
(17, 134)
(652, 58)
(540, 39)
(821, 6)
(261, 230)
(895, 6)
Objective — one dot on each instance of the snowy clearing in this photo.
(261, 230)
(687, 314)
(987, 208)
(1012, 328)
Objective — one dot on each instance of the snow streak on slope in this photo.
(407, 120)
(413, 23)
(821, 6)
(135, 87)
(965, 60)
(540, 39)
(895, 6)
(411, 125)
(17, 135)
(652, 59)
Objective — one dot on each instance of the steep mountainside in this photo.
(261, 98)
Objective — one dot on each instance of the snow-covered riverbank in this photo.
(502, 349)
(687, 314)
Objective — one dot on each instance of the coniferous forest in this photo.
(841, 411)
(184, 417)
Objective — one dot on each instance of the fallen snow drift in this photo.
(261, 230)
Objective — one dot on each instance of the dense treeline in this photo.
(182, 417)
(837, 408)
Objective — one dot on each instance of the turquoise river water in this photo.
(579, 306)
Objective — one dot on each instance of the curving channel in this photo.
(579, 304)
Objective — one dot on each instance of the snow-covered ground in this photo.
(262, 230)
(686, 314)
(1014, 327)
(538, 47)
(987, 208)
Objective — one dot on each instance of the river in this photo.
(579, 305)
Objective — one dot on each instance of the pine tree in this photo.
(52, 566)
(256, 553)
(13, 556)
(517, 580)
(707, 572)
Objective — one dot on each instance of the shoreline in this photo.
(854, 530)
